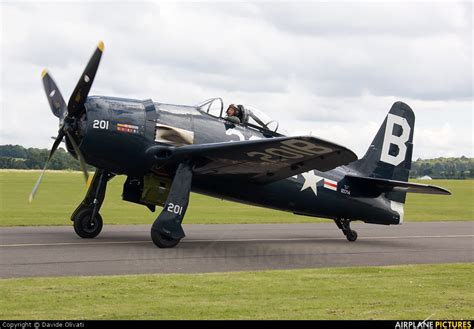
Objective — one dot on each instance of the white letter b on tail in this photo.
(399, 141)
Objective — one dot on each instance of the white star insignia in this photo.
(310, 180)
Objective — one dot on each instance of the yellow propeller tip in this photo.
(89, 181)
(101, 46)
(30, 198)
(45, 71)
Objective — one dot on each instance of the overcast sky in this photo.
(332, 69)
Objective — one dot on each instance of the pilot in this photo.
(233, 114)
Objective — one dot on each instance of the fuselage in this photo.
(117, 133)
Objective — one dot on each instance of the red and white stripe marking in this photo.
(330, 184)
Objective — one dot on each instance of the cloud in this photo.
(367, 18)
(330, 68)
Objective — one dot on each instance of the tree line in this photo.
(18, 157)
(452, 168)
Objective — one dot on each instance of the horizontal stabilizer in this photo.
(388, 185)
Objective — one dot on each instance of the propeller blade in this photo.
(53, 149)
(80, 157)
(54, 138)
(79, 95)
(55, 99)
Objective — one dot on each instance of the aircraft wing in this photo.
(389, 185)
(264, 160)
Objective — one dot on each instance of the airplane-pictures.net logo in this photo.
(434, 324)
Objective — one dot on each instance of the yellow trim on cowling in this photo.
(89, 181)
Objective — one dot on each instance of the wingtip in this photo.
(45, 71)
(442, 190)
(101, 46)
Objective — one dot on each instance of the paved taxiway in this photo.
(127, 249)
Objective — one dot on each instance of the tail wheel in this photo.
(85, 226)
(351, 235)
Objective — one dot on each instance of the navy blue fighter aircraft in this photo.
(168, 150)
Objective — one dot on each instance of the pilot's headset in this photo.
(241, 112)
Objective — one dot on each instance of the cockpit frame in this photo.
(208, 103)
(249, 113)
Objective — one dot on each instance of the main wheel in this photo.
(85, 226)
(351, 235)
(162, 241)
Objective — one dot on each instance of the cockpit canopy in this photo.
(249, 115)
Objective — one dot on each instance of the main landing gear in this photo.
(166, 231)
(345, 225)
(87, 220)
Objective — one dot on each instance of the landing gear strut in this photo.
(345, 225)
(166, 231)
(87, 220)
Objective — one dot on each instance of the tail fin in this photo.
(389, 155)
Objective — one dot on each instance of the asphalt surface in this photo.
(57, 251)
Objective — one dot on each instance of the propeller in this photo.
(55, 99)
(69, 114)
(78, 97)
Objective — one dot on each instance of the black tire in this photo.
(162, 241)
(84, 226)
(351, 235)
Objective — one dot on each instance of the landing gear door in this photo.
(149, 190)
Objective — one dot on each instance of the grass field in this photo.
(398, 292)
(61, 192)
